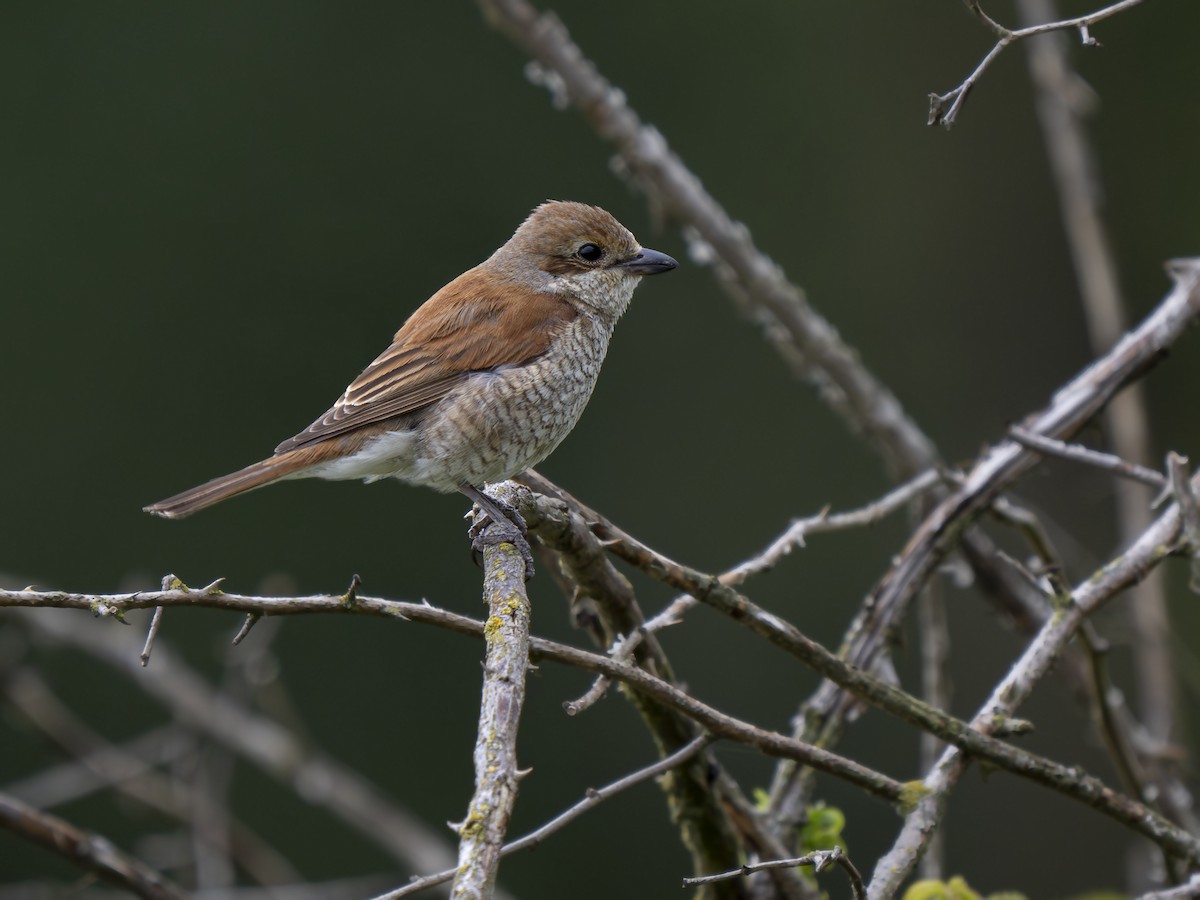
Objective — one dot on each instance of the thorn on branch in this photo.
(820, 860)
(1189, 510)
(251, 620)
(102, 609)
(1080, 454)
(597, 691)
(155, 622)
(1007, 726)
(351, 596)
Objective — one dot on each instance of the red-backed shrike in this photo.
(484, 380)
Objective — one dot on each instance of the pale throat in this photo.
(604, 293)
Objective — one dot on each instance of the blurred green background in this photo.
(215, 214)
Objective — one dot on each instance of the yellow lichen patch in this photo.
(913, 792)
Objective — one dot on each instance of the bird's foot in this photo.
(498, 522)
(500, 532)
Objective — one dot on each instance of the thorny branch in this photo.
(1151, 549)
(1062, 102)
(820, 860)
(1002, 464)
(713, 720)
(1068, 780)
(604, 605)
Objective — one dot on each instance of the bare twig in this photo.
(944, 108)
(1188, 891)
(98, 764)
(1154, 545)
(604, 604)
(820, 860)
(268, 744)
(85, 849)
(1069, 780)
(1081, 454)
(482, 832)
(1063, 99)
(251, 621)
(1189, 505)
(1069, 409)
(622, 650)
(593, 798)
(1089, 673)
(794, 536)
(323, 781)
(934, 634)
(155, 622)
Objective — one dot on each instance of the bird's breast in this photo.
(503, 421)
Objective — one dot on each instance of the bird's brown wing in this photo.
(470, 325)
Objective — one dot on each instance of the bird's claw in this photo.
(486, 533)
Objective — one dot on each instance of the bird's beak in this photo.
(648, 262)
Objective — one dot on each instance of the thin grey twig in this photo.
(322, 780)
(793, 537)
(1063, 100)
(1150, 550)
(98, 765)
(266, 743)
(1188, 891)
(1086, 455)
(155, 622)
(622, 651)
(1185, 496)
(604, 604)
(933, 629)
(944, 108)
(819, 860)
(1068, 780)
(1071, 407)
(593, 798)
(895, 500)
(86, 849)
(251, 621)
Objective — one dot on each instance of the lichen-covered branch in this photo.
(506, 634)
(259, 737)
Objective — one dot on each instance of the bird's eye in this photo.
(590, 252)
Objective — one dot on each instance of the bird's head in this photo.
(580, 250)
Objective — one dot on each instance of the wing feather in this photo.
(471, 325)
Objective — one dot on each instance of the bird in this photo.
(484, 380)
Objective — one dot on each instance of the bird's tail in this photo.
(247, 479)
